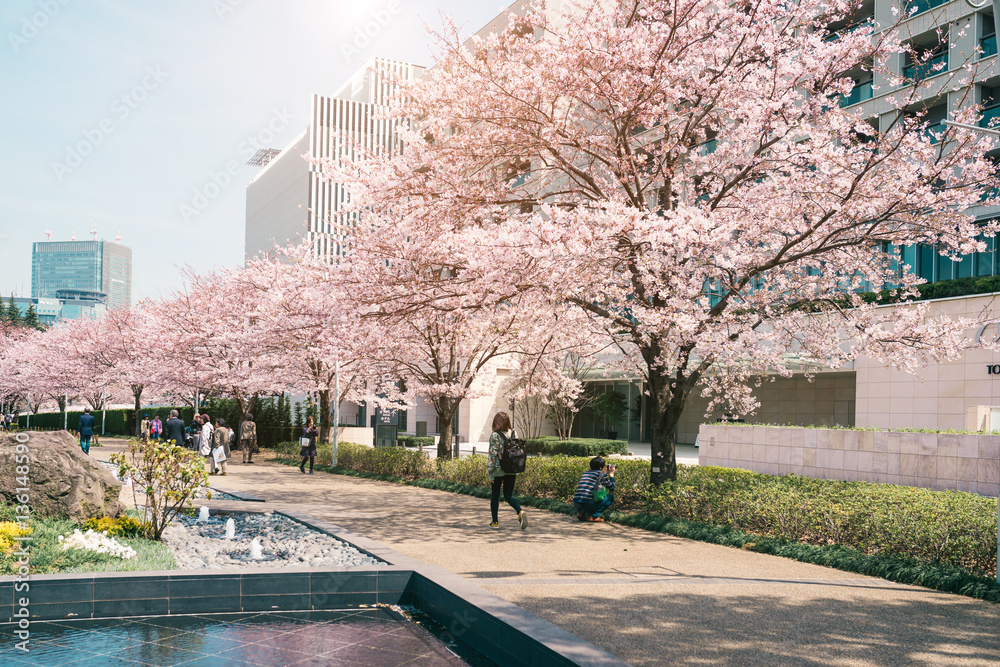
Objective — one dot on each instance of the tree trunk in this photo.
(668, 395)
(325, 415)
(137, 393)
(446, 409)
(246, 406)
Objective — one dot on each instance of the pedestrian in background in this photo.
(220, 440)
(156, 428)
(248, 438)
(86, 430)
(205, 447)
(144, 428)
(498, 478)
(308, 444)
(175, 428)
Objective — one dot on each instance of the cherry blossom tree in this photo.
(321, 346)
(684, 173)
(116, 353)
(217, 339)
(14, 383)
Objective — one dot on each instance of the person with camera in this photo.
(594, 491)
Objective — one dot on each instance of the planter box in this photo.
(958, 461)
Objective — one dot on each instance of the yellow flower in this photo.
(8, 531)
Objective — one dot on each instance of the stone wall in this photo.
(964, 462)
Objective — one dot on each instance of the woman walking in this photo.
(205, 444)
(308, 450)
(498, 478)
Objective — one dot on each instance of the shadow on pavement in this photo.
(667, 627)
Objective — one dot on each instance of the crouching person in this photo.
(594, 491)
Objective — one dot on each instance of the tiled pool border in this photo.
(498, 629)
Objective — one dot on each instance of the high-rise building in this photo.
(289, 200)
(82, 266)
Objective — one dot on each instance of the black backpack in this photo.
(512, 455)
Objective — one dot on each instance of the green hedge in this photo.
(875, 519)
(550, 445)
(941, 289)
(942, 527)
(414, 441)
(116, 422)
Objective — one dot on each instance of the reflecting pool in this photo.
(372, 636)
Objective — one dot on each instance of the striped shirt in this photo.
(588, 482)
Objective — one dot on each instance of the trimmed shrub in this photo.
(119, 422)
(551, 446)
(395, 461)
(875, 519)
(414, 441)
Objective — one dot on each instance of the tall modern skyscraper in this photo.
(289, 200)
(83, 266)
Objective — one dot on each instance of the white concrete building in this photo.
(289, 201)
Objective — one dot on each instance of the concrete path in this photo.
(649, 599)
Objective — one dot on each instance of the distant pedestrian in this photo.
(86, 429)
(220, 440)
(248, 438)
(175, 429)
(308, 444)
(498, 478)
(156, 428)
(205, 446)
(594, 491)
(144, 428)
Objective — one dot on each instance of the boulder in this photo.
(62, 480)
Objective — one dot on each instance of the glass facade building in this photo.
(90, 266)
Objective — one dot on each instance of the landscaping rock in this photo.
(62, 480)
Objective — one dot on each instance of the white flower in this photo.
(97, 542)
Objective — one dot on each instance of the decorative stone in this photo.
(61, 479)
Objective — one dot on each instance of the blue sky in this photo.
(121, 114)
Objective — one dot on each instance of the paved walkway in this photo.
(649, 599)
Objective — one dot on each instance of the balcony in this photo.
(989, 113)
(927, 69)
(860, 93)
(937, 128)
(708, 147)
(915, 7)
(988, 46)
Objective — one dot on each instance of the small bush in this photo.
(384, 460)
(124, 526)
(168, 475)
(414, 441)
(9, 530)
(551, 446)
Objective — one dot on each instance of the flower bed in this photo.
(98, 543)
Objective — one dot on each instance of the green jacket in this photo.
(493, 457)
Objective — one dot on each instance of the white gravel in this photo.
(284, 543)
